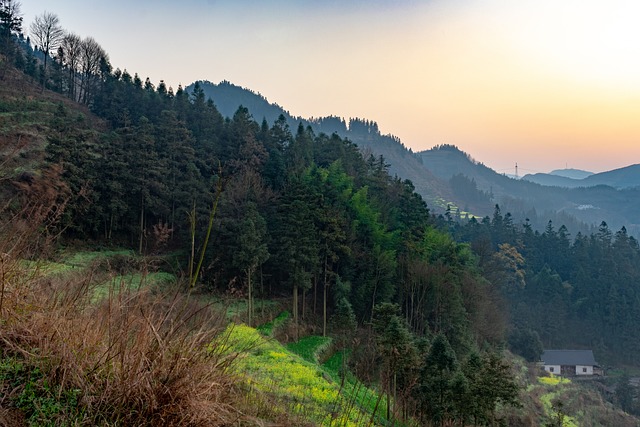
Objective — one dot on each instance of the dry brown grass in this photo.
(136, 358)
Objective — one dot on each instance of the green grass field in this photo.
(292, 383)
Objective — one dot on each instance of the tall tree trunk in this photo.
(388, 406)
(261, 293)
(212, 214)
(315, 294)
(304, 299)
(44, 70)
(295, 308)
(395, 397)
(250, 301)
(192, 224)
(173, 214)
(110, 226)
(141, 223)
(324, 300)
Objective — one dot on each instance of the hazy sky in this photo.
(544, 83)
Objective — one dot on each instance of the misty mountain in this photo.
(570, 178)
(580, 208)
(228, 97)
(626, 177)
(571, 173)
(553, 180)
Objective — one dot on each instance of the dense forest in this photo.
(259, 210)
(578, 292)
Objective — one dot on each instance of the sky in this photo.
(546, 84)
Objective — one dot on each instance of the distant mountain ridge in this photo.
(571, 173)
(621, 178)
(552, 180)
(586, 205)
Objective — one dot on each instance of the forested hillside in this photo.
(258, 213)
(573, 291)
(365, 133)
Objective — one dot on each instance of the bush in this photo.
(526, 343)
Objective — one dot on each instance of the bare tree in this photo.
(72, 48)
(91, 56)
(47, 35)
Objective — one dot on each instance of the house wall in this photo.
(553, 369)
(584, 370)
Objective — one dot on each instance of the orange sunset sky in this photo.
(543, 83)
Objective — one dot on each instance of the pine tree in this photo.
(252, 249)
(440, 368)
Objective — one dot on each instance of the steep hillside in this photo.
(227, 97)
(26, 117)
(246, 210)
(627, 177)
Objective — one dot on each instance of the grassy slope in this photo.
(292, 385)
(67, 356)
(25, 112)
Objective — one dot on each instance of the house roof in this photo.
(569, 357)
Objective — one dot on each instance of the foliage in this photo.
(624, 393)
(526, 343)
(133, 358)
(41, 402)
(552, 380)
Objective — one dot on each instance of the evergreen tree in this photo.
(437, 381)
(624, 393)
(144, 182)
(10, 24)
(296, 248)
(251, 251)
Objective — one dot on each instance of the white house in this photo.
(570, 363)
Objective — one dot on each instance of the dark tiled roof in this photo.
(569, 357)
